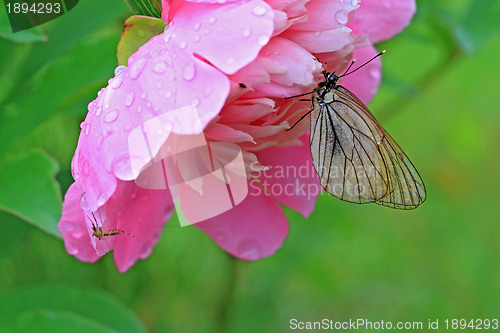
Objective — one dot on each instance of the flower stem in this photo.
(227, 298)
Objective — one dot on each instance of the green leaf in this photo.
(64, 309)
(150, 8)
(137, 31)
(26, 36)
(60, 87)
(17, 231)
(30, 191)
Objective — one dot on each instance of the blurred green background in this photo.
(439, 99)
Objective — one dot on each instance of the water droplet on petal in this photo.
(246, 33)
(197, 26)
(317, 33)
(86, 168)
(98, 111)
(133, 195)
(195, 101)
(189, 71)
(168, 94)
(197, 38)
(121, 165)
(129, 99)
(139, 109)
(137, 68)
(111, 116)
(183, 45)
(249, 249)
(342, 16)
(212, 20)
(160, 67)
(231, 61)
(100, 140)
(86, 128)
(354, 3)
(83, 202)
(119, 69)
(263, 40)
(259, 10)
(116, 82)
(206, 31)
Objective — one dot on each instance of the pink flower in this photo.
(234, 62)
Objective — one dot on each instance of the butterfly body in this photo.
(354, 157)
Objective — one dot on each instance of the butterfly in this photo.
(99, 232)
(354, 156)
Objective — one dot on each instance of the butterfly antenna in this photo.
(366, 63)
(349, 67)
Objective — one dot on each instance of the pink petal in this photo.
(73, 227)
(140, 212)
(326, 15)
(254, 229)
(321, 41)
(162, 78)
(382, 19)
(291, 177)
(364, 83)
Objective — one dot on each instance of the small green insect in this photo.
(100, 234)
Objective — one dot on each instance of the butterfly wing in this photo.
(356, 159)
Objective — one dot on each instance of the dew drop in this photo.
(100, 140)
(166, 37)
(86, 128)
(259, 10)
(144, 95)
(139, 109)
(86, 168)
(116, 82)
(111, 116)
(129, 99)
(206, 31)
(133, 195)
(127, 127)
(98, 111)
(246, 33)
(212, 20)
(160, 67)
(183, 45)
(231, 61)
(317, 33)
(263, 40)
(137, 68)
(249, 249)
(168, 94)
(83, 202)
(195, 101)
(197, 26)
(342, 17)
(119, 69)
(189, 71)
(197, 38)
(354, 3)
